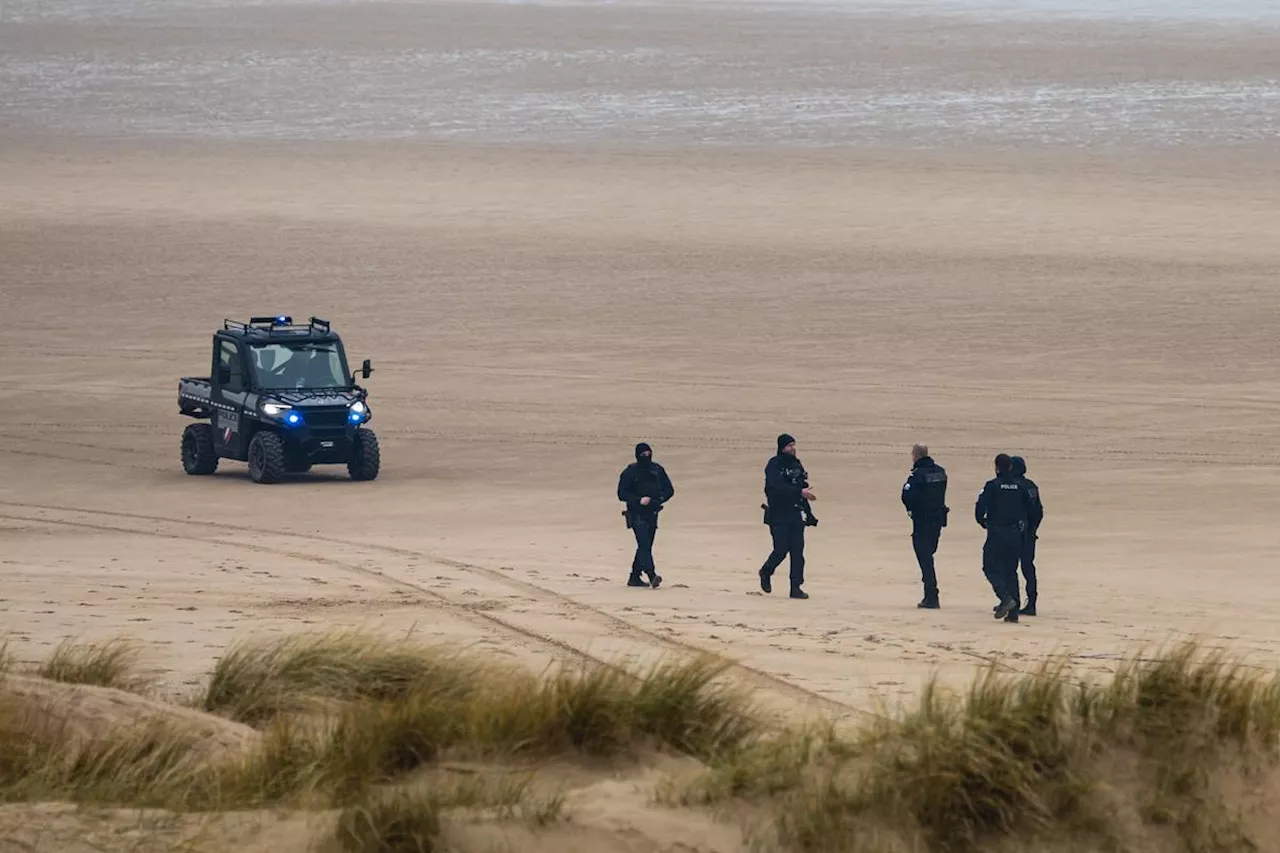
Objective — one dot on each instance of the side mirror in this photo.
(366, 369)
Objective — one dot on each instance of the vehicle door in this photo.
(230, 386)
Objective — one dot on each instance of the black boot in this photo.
(797, 592)
(655, 580)
(1030, 609)
(1012, 616)
(766, 583)
(1005, 608)
(636, 580)
(930, 602)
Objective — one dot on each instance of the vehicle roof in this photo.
(279, 329)
(279, 336)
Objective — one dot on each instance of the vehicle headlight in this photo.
(274, 409)
(357, 412)
(358, 407)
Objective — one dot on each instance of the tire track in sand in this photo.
(615, 625)
(474, 616)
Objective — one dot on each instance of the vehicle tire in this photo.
(296, 461)
(266, 457)
(199, 457)
(366, 458)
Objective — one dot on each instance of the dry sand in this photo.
(532, 312)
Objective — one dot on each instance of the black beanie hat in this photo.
(783, 441)
(642, 449)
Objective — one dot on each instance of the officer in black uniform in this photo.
(925, 497)
(1003, 508)
(645, 488)
(787, 512)
(1028, 557)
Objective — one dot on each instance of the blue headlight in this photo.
(355, 417)
(293, 417)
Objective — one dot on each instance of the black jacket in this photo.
(1003, 503)
(784, 479)
(925, 492)
(1036, 514)
(645, 481)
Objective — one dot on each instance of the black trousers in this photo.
(788, 538)
(1000, 555)
(924, 540)
(646, 530)
(1029, 565)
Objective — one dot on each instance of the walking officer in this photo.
(787, 512)
(645, 488)
(925, 497)
(1003, 508)
(1028, 556)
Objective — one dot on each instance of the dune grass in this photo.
(353, 723)
(256, 682)
(399, 705)
(343, 714)
(110, 664)
(412, 819)
(399, 823)
(1021, 756)
(137, 764)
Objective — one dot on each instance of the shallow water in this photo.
(1222, 11)
(711, 73)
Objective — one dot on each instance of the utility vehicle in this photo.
(280, 397)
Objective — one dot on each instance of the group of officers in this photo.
(1008, 508)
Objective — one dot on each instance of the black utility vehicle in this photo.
(281, 398)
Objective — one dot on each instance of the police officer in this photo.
(1028, 556)
(645, 488)
(1003, 508)
(925, 497)
(787, 512)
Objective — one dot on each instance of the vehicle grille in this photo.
(327, 420)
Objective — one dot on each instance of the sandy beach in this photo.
(542, 289)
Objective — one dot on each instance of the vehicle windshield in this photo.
(279, 367)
